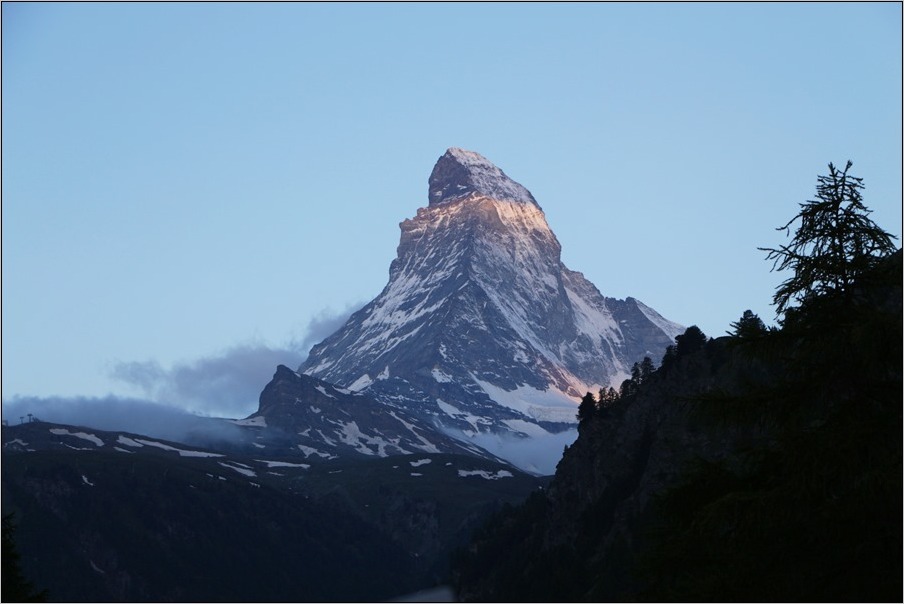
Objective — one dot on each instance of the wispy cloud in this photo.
(227, 384)
(324, 324)
(180, 402)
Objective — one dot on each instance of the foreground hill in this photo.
(105, 516)
(760, 467)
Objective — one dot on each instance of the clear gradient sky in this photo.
(196, 191)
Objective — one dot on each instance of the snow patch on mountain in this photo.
(82, 435)
(308, 451)
(352, 435)
(323, 391)
(485, 474)
(551, 405)
(361, 383)
(240, 468)
(181, 452)
(658, 320)
(475, 421)
(591, 318)
(125, 440)
(440, 377)
(283, 464)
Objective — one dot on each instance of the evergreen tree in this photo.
(690, 341)
(636, 376)
(587, 408)
(628, 388)
(669, 357)
(641, 371)
(646, 368)
(14, 586)
(834, 244)
(748, 326)
(608, 397)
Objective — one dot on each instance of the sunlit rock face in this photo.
(481, 329)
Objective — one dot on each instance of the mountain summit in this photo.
(460, 173)
(481, 330)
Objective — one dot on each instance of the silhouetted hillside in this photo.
(764, 466)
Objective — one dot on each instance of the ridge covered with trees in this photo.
(763, 465)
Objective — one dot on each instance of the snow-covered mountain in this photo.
(481, 330)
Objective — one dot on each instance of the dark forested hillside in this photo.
(102, 526)
(764, 465)
(98, 517)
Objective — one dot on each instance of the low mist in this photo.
(123, 414)
(537, 455)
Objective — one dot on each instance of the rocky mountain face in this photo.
(482, 331)
(299, 415)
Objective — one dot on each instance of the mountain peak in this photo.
(481, 331)
(460, 173)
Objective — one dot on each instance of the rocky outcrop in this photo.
(299, 415)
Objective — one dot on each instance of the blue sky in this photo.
(191, 188)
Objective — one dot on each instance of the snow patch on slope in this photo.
(425, 446)
(550, 405)
(485, 474)
(440, 377)
(308, 451)
(283, 464)
(181, 452)
(352, 435)
(82, 435)
(474, 420)
(323, 391)
(361, 383)
(240, 468)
